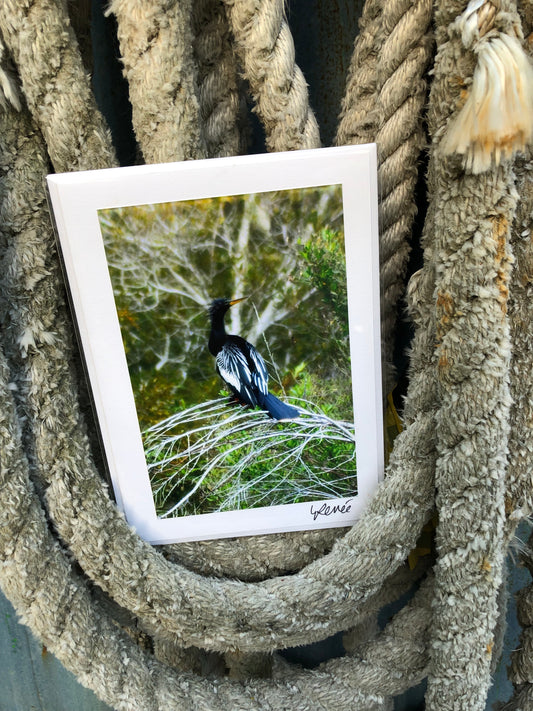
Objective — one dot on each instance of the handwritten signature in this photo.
(328, 509)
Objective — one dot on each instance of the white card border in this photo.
(76, 198)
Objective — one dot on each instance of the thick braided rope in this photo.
(471, 227)
(260, 665)
(222, 104)
(384, 102)
(253, 558)
(403, 60)
(215, 614)
(55, 84)
(357, 117)
(157, 51)
(265, 48)
(522, 700)
(242, 665)
(519, 486)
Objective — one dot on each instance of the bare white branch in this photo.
(211, 446)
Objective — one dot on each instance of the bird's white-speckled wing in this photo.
(234, 370)
(259, 372)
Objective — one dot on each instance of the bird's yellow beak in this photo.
(236, 301)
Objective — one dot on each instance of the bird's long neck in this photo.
(218, 335)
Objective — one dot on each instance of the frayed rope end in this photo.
(497, 118)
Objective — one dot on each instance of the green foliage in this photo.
(326, 269)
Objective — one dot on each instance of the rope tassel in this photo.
(496, 120)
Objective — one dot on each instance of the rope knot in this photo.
(496, 120)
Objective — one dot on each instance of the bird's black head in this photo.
(218, 307)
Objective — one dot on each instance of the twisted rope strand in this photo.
(471, 224)
(157, 50)
(254, 558)
(357, 117)
(42, 43)
(222, 105)
(386, 107)
(400, 137)
(265, 48)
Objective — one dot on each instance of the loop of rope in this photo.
(214, 614)
(78, 505)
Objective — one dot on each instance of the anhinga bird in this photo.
(241, 367)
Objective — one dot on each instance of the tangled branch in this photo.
(219, 457)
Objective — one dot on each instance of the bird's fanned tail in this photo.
(277, 409)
